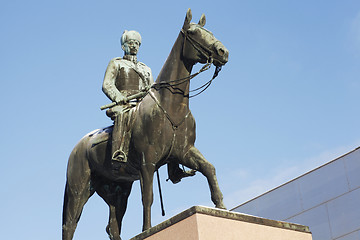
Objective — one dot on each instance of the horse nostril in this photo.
(221, 52)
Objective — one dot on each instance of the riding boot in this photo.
(118, 155)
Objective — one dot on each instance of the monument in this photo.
(153, 126)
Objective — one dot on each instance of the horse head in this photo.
(200, 45)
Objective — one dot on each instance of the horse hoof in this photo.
(190, 173)
(221, 206)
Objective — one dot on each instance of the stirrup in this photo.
(119, 156)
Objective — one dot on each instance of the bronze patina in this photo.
(162, 132)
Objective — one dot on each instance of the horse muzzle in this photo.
(221, 54)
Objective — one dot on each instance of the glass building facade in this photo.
(327, 199)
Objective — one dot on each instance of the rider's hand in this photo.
(120, 99)
(145, 89)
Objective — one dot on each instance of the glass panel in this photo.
(281, 203)
(344, 213)
(323, 184)
(317, 220)
(248, 208)
(352, 164)
(351, 236)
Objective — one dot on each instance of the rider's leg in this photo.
(121, 136)
(117, 138)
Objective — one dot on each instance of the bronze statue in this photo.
(163, 132)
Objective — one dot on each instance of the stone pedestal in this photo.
(203, 223)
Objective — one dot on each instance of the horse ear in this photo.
(202, 20)
(187, 19)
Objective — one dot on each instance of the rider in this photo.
(125, 77)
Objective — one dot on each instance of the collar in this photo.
(130, 58)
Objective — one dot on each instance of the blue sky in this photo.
(286, 102)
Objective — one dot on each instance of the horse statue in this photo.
(163, 132)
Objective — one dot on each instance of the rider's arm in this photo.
(109, 87)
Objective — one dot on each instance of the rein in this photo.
(179, 81)
(206, 85)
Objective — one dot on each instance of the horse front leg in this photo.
(146, 180)
(195, 160)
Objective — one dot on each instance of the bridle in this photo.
(208, 53)
(205, 51)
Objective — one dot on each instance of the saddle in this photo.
(104, 134)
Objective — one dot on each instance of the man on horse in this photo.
(124, 78)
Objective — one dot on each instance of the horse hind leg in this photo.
(195, 160)
(117, 206)
(77, 191)
(113, 229)
(72, 209)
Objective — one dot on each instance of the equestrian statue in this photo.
(153, 126)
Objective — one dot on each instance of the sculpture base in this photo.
(212, 224)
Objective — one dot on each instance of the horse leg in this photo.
(146, 181)
(117, 210)
(77, 191)
(112, 228)
(74, 200)
(195, 160)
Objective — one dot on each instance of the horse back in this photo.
(94, 150)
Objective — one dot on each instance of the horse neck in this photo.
(175, 68)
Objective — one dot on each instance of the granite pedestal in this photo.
(203, 223)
